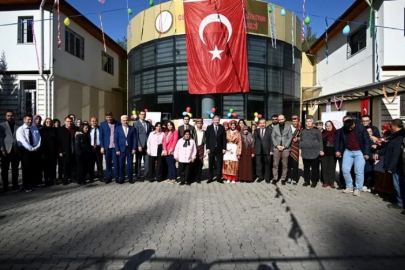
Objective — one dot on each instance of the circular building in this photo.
(157, 64)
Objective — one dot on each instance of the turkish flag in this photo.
(364, 106)
(216, 46)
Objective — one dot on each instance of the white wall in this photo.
(21, 57)
(342, 73)
(87, 71)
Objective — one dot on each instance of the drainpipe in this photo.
(41, 66)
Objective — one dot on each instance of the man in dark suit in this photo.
(107, 129)
(8, 155)
(186, 126)
(125, 147)
(263, 146)
(216, 148)
(97, 157)
(66, 141)
(143, 128)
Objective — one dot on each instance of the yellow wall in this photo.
(308, 72)
(86, 101)
(143, 27)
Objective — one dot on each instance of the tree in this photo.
(7, 82)
(122, 42)
(310, 39)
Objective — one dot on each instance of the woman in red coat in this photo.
(169, 144)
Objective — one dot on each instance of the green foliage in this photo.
(122, 42)
(310, 39)
(7, 82)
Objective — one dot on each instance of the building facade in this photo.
(359, 65)
(79, 77)
(157, 65)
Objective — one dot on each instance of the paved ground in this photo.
(208, 226)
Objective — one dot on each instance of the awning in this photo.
(369, 90)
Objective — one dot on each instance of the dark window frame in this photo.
(357, 39)
(25, 34)
(107, 63)
(71, 43)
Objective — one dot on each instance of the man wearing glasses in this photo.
(366, 122)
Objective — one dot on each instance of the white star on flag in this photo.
(216, 53)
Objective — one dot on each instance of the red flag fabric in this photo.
(364, 106)
(216, 46)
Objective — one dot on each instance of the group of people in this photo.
(235, 151)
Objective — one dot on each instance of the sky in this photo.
(115, 22)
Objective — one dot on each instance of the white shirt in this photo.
(125, 129)
(200, 135)
(23, 137)
(293, 129)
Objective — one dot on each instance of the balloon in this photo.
(184, 113)
(146, 110)
(213, 110)
(231, 110)
(130, 11)
(151, 3)
(190, 114)
(188, 109)
(283, 12)
(133, 112)
(234, 114)
(229, 114)
(132, 117)
(256, 119)
(212, 115)
(101, 1)
(307, 20)
(346, 30)
(135, 116)
(255, 114)
(259, 116)
(67, 21)
(208, 112)
(269, 9)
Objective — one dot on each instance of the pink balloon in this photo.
(101, 1)
(146, 110)
(213, 110)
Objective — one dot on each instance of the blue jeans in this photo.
(171, 165)
(356, 157)
(111, 157)
(399, 187)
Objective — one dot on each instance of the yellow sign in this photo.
(257, 18)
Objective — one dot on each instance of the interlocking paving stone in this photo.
(207, 226)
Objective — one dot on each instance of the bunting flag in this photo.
(129, 22)
(303, 22)
(292, 37)
(271, 29)
(59, 39)
(273, 22)
(102, 30)
(371, 22)
(377, 70)
(364, 106)
(35, 43)
(326, 41)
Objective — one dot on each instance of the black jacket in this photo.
(393, 151)
(49, 141)
(66, 142)
(265, 145)
(363, 138)
(82, 144)
(215, 141)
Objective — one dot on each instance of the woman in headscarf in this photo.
(247, 155)
(83, 151)
(226, 126)
(49, 150)
(37, 121)
(230, 168)
(329, 158)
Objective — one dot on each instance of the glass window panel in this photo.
(275, 56)
(274, 79)
(255, 103)
(274, 104)
(148, 82)
(148, 55)
(162, 99)
(164, 79)
(287, 56)
(136, 60)
(164, 51)
(288, 82)
(297, 86)
(181, 55)
(181, 79)
(256, 50)
(257, 78)
(236, 103)
(30, 36)
(137, 84)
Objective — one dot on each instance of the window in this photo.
(235, 102)
(255, 103)
(25, 30)
(357, 41)
(257, 78)
(74, 44)
(107, 63)
(256, 50)
(164, 79)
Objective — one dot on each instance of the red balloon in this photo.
(234, 114)
(213, 110)
(260, 116)
(132, 117)
(146, 110)
(188, 109)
